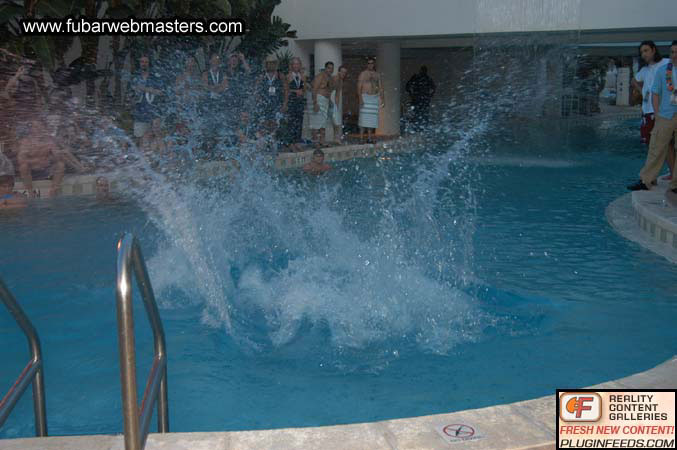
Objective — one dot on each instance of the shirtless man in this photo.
(40, 150)
(337, 100)
(370, 93)
(322, 87)
(316, 166)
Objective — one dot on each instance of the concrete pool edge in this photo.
(528, 424)
(647, 218)
(85, 184)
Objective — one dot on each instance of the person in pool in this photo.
(8, 198)
(41, 151)
(316, 166)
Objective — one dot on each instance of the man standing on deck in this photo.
(337, 100)
(322, 87)
(146, 88)
(643, 82)
(421, 89)
(370, 93)
(664, 98)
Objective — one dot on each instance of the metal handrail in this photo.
(31, 373)
(137, 422)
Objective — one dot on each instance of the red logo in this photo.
(580, 407)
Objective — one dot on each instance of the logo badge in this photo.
(580, 407)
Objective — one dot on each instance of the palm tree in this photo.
(266, 33)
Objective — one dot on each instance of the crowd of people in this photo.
(226, 111)
(656, 81)
(223, 112)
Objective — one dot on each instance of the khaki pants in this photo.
(658, 150)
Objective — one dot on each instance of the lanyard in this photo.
(215, 79)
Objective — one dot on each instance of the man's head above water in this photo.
(318, 156)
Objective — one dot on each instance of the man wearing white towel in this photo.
(370, 93)
(322, 87)
(337, 100)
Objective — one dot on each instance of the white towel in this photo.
(318, 120)
(369, 111)
(337, 112)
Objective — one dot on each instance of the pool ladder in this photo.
(32, 373)
(136, 420)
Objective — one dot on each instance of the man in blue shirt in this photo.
(664, 97)
(146, 87)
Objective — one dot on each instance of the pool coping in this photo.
(650, 220)
(85, 184)
(528, 424)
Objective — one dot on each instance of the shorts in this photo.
(648, 122)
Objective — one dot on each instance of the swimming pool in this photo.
(390, 288)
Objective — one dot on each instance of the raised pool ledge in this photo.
(85, 185)
(648, 218)
(528, 424)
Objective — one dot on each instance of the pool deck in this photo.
(648, 218)
(528, 424)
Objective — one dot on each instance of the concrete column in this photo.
(329, 50)
(302, 49)
(388, 65)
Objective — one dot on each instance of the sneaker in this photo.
(639, 186)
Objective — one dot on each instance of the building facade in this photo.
(444, 34)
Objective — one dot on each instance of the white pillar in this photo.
(388, 65)
(301, 49)
(325, 51)
(329, 50)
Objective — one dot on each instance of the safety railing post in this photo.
(137, 419)
(31, 373)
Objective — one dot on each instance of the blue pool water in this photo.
(420, 284)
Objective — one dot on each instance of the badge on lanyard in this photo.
(271, 90)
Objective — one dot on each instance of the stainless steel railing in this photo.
(31, 373)
(137, 421)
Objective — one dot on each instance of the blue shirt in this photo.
(145, 104)
(660, 87)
